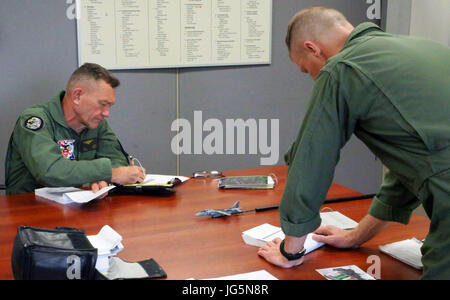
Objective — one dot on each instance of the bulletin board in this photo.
(136, 34)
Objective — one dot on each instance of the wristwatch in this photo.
(291, 256)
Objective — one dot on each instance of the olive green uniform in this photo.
(44, 151)
(393, 93)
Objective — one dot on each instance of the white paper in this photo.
(106, 240)
(108, 243)
(337, 219)
(407, 251)
(345, 273)
(56, 194)
(156, 179)
(102, 264)
(257, 275)
(261, 235)
(66, 195)
(85, 196)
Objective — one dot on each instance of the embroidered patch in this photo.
(67, 148)
(34, 123)
(88, 145)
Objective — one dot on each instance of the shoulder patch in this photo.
(34, 123)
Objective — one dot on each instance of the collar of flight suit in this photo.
(360, 30)
(56, 111)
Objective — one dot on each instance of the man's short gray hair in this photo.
(91, 71)
(312, 23)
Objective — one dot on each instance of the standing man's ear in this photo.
(312, 48)
(76, 94)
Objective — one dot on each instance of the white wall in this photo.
(398, 19)
(426, 18)
(431, 19)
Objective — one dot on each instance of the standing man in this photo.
(393, 93)
(67, 141)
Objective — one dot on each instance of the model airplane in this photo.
(218, 213)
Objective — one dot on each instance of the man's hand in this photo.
(367, 228)
(96, 186)
(128, 175)
(271, 253)
(336, 237)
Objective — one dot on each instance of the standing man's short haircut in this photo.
(313, 23)
(90, 71)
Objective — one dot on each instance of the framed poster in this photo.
(140, 34)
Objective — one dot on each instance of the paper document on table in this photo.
(345, 273)
(407, 251)
(337, 219)
(155, 179)
(259, 236)
(56, 194)
(257, 275)
(85, 196)
(65, 195)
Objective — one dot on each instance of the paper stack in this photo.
(407, 251)
(108, 243)
(260, 235)
(66, 195)
(337, 219)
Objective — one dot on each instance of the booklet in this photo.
(247, 182)
(345, 273)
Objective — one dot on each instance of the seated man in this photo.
(67, 142)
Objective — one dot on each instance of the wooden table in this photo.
(165, 228)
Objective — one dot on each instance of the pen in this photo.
(260, 209)
(361, 197)
(133, 159)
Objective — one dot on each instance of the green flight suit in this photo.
(393, 93)
(44, 151)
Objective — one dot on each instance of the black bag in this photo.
(58, 254)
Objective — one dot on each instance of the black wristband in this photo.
(290, 256)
